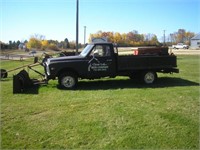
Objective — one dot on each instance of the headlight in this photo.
(47, 68)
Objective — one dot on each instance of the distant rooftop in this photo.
(196, 37)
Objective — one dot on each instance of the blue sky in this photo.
(55, 19)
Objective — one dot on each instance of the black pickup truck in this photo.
(99, 60)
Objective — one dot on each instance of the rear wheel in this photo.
(149, 77)
(68, 80)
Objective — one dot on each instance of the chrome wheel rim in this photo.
(149, 77)
(68, 81)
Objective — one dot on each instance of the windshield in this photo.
(86, 50)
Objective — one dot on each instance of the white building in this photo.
(195, 41)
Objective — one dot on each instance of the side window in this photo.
(107, 50)
(101, 51)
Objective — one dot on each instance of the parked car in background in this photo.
(33, 52)
(180, 46)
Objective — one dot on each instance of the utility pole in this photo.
(77, 24)
(164, 38)
(84, 34)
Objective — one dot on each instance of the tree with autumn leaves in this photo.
(132, 38)
(127, 39)
(38, 42)
(181, 36)
(135, 39)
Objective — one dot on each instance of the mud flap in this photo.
(21, 82)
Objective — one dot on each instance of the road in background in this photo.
(122, 51)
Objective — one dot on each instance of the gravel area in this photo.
(185, 52)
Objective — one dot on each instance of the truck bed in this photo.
(140, 62)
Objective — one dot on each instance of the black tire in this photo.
(149, 77)
(4, 73)
(68, 80)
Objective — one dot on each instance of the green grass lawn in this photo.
(105, 114)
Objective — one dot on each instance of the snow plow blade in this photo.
(22, 82)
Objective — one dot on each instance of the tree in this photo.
(66, 43)
(14, 45)
(53, 46)
(34, 43)
(45, 44)
(25, 41)
(154, 40)
(182, 36)
(188, 36)
(10, 44)
(72, 44)
(109, 36)
(117, 38)
(130, 36)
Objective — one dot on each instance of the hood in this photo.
(65, 58)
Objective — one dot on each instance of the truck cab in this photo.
(97, 60)
(100, 60)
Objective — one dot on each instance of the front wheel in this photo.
(149, 77)
(68, 80)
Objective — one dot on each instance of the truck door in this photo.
(101, 61)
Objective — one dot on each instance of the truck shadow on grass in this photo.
(110, 84)
(127, 83)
